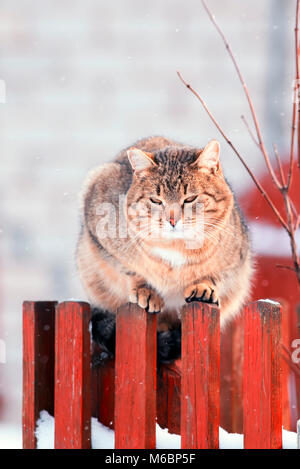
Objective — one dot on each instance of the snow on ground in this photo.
(289, 440)
(103, 437)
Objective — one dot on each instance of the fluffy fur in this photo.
(162, 269)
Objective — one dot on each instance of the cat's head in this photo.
(180, 192)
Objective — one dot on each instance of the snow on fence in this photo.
(57, 375)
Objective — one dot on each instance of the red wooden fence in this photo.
(262, 376)
(38, 365)
(61, 366)
(72, 376)
(135, 379)
(200, 356)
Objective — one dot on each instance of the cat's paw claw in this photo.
(147, 299)
(201, 292)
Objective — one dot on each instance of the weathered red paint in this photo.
(287, 407)
(269, 280)
(135, 382)
(38, 365)
(200, 376)
(262, 376)
(72, 408)
(231, 376)
(103, 390)
(135, 386)
(168, 396)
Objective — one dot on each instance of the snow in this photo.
(289, 440)
(45, 431)
(230, 440)
(104, 438)
(166, 440)
(77, 300)
(269, 301)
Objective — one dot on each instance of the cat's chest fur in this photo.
(170, 256)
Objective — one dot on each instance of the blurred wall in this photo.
(86, 78)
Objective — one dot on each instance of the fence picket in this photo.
(134, 382)
(135, 379)
(72, 409)
(200, 406)
(38, 365)
(262, 376)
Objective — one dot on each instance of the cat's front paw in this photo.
(201, 292)
(147, 299)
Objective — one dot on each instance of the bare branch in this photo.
(281, 266)
(292, 221)
(291, 233)
(249, 130)
(295, 101)
(245, 88)
(295, 211)
(279, 165)
(257, 183)
(294, 116)
(297, 74)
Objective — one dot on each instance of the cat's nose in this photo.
(172, 221)
(173, 216)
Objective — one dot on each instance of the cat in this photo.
(143, 240)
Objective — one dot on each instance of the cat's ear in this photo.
(209, 157)
(139, 159)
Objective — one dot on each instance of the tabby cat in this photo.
(161, 227)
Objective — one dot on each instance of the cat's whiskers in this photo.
(131, 242)
(208, 233)
(138, 237)
(220, 225)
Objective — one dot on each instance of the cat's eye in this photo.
(190, 199)
(156, 201)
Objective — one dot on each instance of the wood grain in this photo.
(200, 379)
(135, 380)
(72, 376)
(38, 365)
(262, 376)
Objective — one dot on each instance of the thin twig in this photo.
(245, 88)
(292, 221)
(279, 165)
(297, 51)
(295, 212)
(293, 367)
(257, 183)
(295, 100)
(281, 266)
(294, 116)
(249, 130)
(291, 233)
